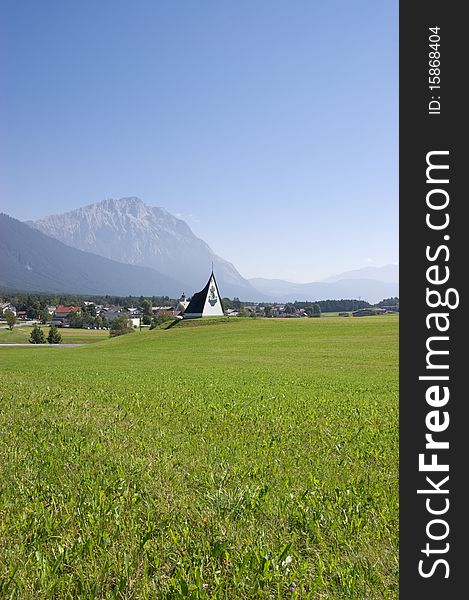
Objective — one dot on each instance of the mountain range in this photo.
(129, 231)
(370, 283)
(388, 274)
(125, 247)
(354, 288)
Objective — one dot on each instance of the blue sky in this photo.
(271, 127)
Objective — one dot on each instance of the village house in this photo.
(110, 315)
(7, 306)
(156, 309)
(250, 308)
(62, 315)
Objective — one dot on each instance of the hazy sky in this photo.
(271, 127)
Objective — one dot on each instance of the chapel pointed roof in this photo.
(197, 302)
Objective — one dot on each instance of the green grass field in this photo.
(20, 335)
(257, 458)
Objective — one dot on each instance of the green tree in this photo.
(389, 302)
(44, 316)
(289, 308)
(146, 320)
(54, 337)
(10, 318)
(316, 310)
(227, 303)
(147, 307)
(88, 311)
(162, 317)
(76, 320)
(120, 326)
(268, 311)
(37, 336)
(33, 307)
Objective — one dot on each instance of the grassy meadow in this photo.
(20, 335)
(251, 458)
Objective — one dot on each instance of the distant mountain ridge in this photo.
(388, 273)
(129, 231)
(278, 290)
(32, 261)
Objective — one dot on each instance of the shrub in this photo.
(162, 317)
(120, 326)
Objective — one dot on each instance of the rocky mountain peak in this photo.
(129, 231)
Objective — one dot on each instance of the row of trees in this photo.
(38, 337)
(390, 303)
(33, 304)
(345, 305)
(313, 309)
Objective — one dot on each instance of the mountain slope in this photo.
(129, 231)
(388, 273)
(32, 261)
(284, 291)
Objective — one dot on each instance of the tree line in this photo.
(345, 305)
(35, 304)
